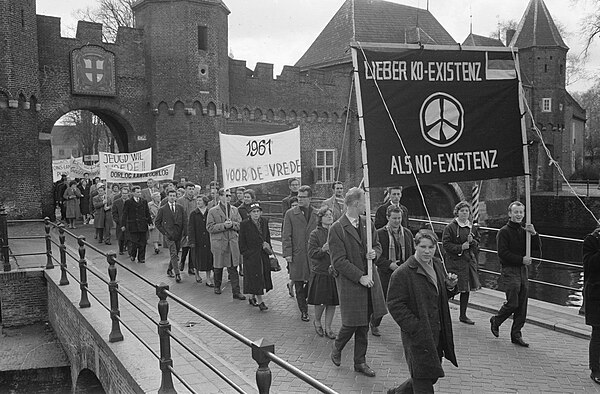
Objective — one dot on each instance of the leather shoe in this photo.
(319, 329)
(239, 296)
(364, 369)
(375, 331)
(217, 290)
(595, 376)
(177, 278)
(262, 306)
(132, 258)
(519, 341)
(170, 274)
(305, 317)
(466, 320)
(494, 327)
(336, 356)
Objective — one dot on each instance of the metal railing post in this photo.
(4, 238)
(263, 373)
(83, 284)
(47, 227)
(115, 333)
(63, 256)
(164, 327)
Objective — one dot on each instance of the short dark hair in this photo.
(293, 200)
(133, 189)
(240, 189)
(322, 212)
(392, 209)
(305, 189)
(171, 190)
(204, 198)
(293, 180)
(72, 183)
(389, 189)
(461, 205)
(428, 234)
(333, 185)
(189, 184)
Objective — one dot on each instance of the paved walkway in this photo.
(556, 362)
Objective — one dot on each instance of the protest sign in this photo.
(457, 112)
(59, 167)
(117, 175)
(134, 161)
(264, 158)
(77, 170)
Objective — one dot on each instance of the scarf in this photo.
(392, 247)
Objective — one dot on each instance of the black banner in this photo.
(456, 111)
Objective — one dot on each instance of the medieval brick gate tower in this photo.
(161, 85)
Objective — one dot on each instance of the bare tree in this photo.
(590, 100)
(111, 14)
(90, 132)
(503, 26)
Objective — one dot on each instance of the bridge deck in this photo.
(556, 362)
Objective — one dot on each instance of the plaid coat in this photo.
(348, 253)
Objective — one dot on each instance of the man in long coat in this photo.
(117, 214)
(135, 221)
(361, 297)
(298, 223)
(188, 202)
(420, 307)
(223, 224)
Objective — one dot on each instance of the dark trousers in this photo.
(102, 235)
(361, 341)
(234, 278)
(137, 245)
(122, 244)
(184, 253)
(301, 295)
(412, 385)
(595, 349)
(63, 211)
(516, 288)
(174, 247)
(384, 277)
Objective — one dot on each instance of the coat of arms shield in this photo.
(93, 71)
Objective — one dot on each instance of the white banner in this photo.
(117, 175)
(60, 167)
(250, 160)
(78, 169)
(136, 161)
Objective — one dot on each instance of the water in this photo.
(557, 250)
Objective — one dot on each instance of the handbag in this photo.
(274, 263)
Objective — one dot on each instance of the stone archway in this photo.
(88, 383)
(117, 118)
(440, 200)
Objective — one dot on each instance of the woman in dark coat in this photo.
(418, 301)
(201, 258)
(244, 208)
(255, 248)
(460, 241)
(322, 291)
(84, 201)
(591, 297)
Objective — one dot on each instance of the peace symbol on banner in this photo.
(442, 119)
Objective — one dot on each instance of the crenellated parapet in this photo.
(295, 96)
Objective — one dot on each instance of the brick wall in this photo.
(23, 298)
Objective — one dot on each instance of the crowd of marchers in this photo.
(328, 258)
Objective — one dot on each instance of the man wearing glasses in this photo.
(298, 223)
(223, 224)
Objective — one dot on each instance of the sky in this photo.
(280, 31)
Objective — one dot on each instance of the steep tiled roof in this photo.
(537, 28)
(474, 40)
(372, 21)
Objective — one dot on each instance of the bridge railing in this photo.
(262, 352)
